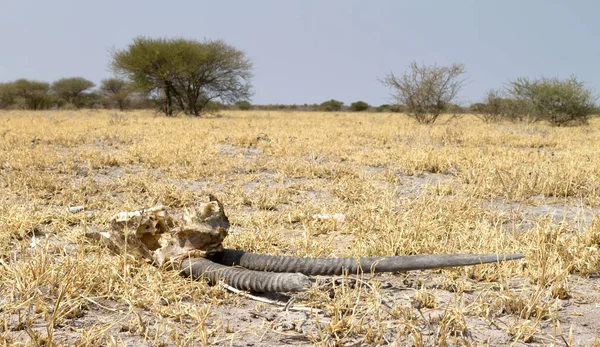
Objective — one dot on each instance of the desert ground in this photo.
(397, 187)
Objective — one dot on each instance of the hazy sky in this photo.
(311, 51)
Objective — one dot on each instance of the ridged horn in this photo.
(337, 266)
(244, 279)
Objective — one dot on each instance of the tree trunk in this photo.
(168, 108)
(194, 109)
(192, 102)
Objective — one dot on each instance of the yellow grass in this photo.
(459, 186)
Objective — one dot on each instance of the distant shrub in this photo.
(331, 105)
(213, 106)
(90, 100)
(382, 108)
(72, 91)
(515, 110)
(496, 108)
(7, 97)
(477, 107)
(359, 106)
(243, 105)
(115, 92)
(27, 94)
(491, 109)
(561, 102)
(427, 91)
(455, 109)
(390, 108)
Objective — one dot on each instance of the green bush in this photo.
(561, 102)
(455, 109)
(477, 107)
(27, 94)
(491, 109)
(213, 106)
(359, 106)
(497, 109)
(331, 105)
(7, 97)
(115, 92)
(72, 91)
(243, 105)
(390, 108)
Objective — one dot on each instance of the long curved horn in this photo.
(337, 266)
(244, 279)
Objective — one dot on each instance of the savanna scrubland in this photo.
(457, 186)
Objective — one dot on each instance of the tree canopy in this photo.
(71, 90)
(331, 105)
(116, 91)
(559, 101)
(24, 93)
(184, 75)
(359, 106)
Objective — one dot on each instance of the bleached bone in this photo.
(192, 243)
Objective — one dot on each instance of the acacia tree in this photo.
(426, 91)
(491, 109)
(72, 90)
(185, 75)
(115, 90)
(7, 97)
(560, 102)
(29, 94)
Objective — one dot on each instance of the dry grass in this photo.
(459, 186)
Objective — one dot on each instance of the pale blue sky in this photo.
(311, 51)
